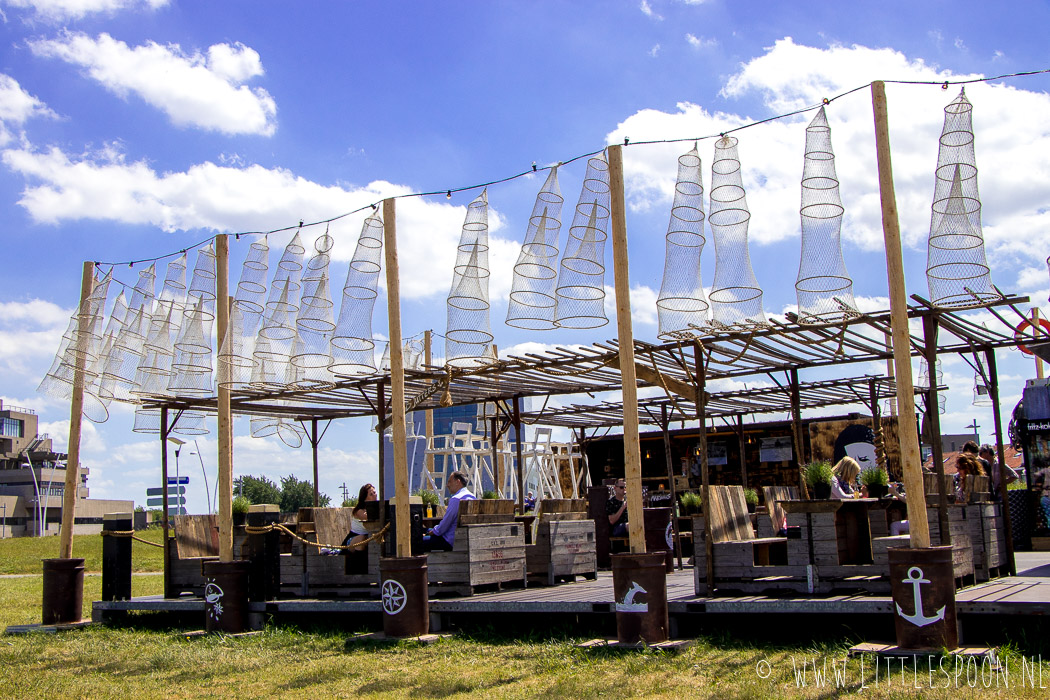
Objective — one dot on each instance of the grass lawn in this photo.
(22, 555)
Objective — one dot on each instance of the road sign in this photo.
(173, 501)
(172, 491)
(178, 480)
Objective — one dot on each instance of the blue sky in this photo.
(133, 128)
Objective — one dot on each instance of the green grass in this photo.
(146, 659)
(22, 555)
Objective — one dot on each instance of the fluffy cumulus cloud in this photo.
(790, 76)
(59, 10)
(30, 332)
(16, 107)
(201, 90)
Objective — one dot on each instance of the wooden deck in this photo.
(1025, 594)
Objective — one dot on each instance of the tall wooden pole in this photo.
(225, 436)
(993, 387)
(520, 473)
(632, 460)
(429, 413)
(933, 419)
(397, 379)
(665, 428)
(911, 460)
(313, 449)
(76, 412)
(705, 485)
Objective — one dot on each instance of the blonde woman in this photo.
(846, 474)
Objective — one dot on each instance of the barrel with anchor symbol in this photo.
(406, 609)
(923, 584)
(640, 592)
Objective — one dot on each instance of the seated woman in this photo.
(846, 472)
(358, 533)
(967, 466)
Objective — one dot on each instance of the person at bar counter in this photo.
(844, 483)
(440, 537)
(616, 509)
(987, 453)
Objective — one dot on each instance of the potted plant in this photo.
(751, 499)
(239, 509)
(689, 503)
(876, 480)
(490, 495)
(818, 479)
(430, 501)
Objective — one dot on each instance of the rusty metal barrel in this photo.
(116, 557)
(923, 587)
(406, 606)
(640, 594)
(226, 596)
(63, 591)
(658, 533)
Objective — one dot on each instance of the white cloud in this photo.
(960, 44)
(16, 107)
(700, 42)
(194, 90)
(790, 76)
(648, 11)
(30, 333)
(654, 51)
(57, 10)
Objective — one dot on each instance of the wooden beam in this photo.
(397, 380)
(76, 416)
(225, 419)
(429, 413)
(933, 420)
(993, 390)
(647, 374)
(911, 459)
(632, 459)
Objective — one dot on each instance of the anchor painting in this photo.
(916, 579)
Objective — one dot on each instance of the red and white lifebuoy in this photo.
(1026, 324)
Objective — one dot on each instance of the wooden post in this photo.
(632, 459)
(397, 380)
(743, 448)
(517, 450)
(665, 426)
(225, 436)
(911, 460)
(993, 390)
(313, 449)
(429, 413)
(497, 463)
(380, 417)
(76, 413)
(164, 501)
(796, 418)
(701, 409)
(933, 419)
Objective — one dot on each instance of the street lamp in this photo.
(974, 426)
(207, 493)
(178, 448)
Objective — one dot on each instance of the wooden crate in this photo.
(481, 554)
(564, 547)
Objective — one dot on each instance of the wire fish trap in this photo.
(682, 303)
(532, 297)
(353, 349)
(276, 338)
(192, 364)
(580, 293)
(956, 268)
(122, 362)
(468, 332)
(315, 323)
(81, 344)
(824, 288)
(236, 352)
(736, 298)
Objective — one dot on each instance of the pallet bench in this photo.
(488, 550)
(564, 543)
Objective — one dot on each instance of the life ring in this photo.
(1025, 324)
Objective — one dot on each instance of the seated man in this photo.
(530, 501)
(440, 537)
(616, 509)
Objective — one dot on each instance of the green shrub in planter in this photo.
(239, 509)
(751, 499)
(876, 480)
(490, 495)
(429, 498)
(690, 503)
(818, 479)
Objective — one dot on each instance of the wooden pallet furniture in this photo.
(773, 496)
(309, 572)
(196, 541)
(564, 543)
(740, 558)
(489, 549)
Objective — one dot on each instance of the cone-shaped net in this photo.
(156, 369)
(923, 378)
(352, 344)
(236, 353)
(121, 364)
(736, 298)
(117, 317)
(273, 347)
(580, 292)
(823, 287)
(315, 322)
(956, 267)
(682, 303)
(83, 341)
(532, 300)
(192, 364)
(468, 332)
(982, 396)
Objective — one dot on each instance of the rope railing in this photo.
(132, 535)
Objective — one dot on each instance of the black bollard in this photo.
(263, 551)
(116, 557)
